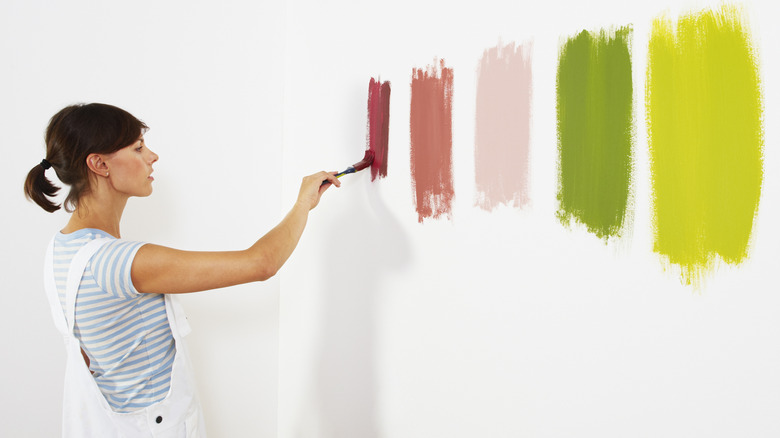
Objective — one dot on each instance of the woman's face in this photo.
(130, 169)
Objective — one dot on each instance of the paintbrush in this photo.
(368, 158)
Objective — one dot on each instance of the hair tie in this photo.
(45, 164)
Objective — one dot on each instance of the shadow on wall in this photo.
(370, 244)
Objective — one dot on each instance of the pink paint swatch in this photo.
(378, 125)
(503, 126)
(431, 141)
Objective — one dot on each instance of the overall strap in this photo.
(76, 271)
(50, 285)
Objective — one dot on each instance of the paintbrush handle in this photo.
(349, 170)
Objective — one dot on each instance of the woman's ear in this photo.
(97, 164)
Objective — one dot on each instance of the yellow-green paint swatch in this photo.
(704, 116)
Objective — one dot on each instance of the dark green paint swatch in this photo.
(595, 130)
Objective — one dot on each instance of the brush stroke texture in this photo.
(378, 125)
(431, 141)
(704, 118)
(595, 130)
(502, 130)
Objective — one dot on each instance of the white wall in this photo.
(501, 324)
(207, 78)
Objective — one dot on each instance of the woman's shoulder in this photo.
(73, 241)
(70, 242)
(111, 264)
(85, 234)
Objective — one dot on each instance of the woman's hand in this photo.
(313, 186)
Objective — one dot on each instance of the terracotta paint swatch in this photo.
(378, 125)
(595, 130)
(431, 141)
(704, 118)
(502, 130)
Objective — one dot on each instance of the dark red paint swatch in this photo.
(378, 125)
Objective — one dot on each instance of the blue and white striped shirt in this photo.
(124, 333)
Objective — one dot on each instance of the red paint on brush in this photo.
(378, 125)
(431, 141)
(368, 160)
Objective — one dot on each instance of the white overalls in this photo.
(85, 411)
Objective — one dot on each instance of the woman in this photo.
(128, 374)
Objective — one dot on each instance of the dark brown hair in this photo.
(73, 134)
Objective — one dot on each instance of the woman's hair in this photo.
(73, 134)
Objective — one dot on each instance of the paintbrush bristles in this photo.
(368, 158)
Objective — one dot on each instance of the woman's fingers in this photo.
(329, 177)
(313, 186)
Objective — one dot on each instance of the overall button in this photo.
(159, 419)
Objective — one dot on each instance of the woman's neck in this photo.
(93, 212)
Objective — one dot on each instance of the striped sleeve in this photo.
(111, 267)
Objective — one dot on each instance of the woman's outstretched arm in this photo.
(157, 269)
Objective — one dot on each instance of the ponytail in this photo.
(39, 189)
